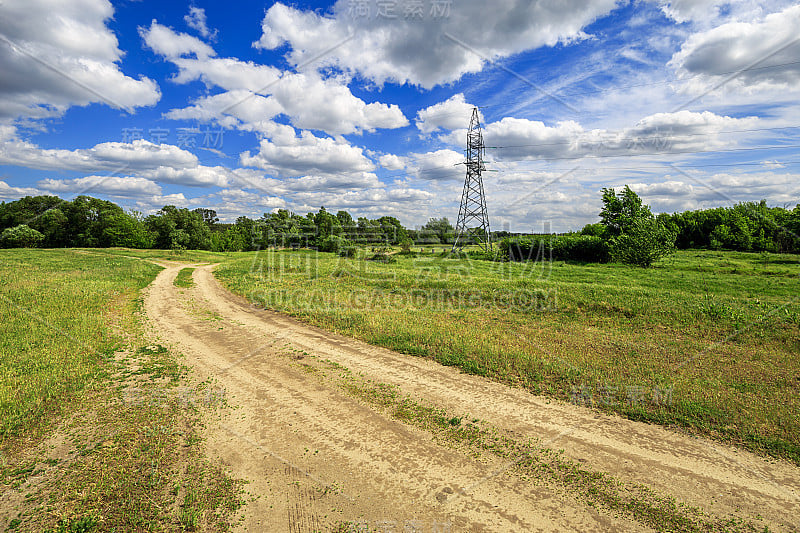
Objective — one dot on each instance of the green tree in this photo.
(621, 211)
(440, 228)
(209, 216)
(126, 230)
(594, 230)
(636, 237)
(393, 231)
(53, 224)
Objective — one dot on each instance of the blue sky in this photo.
(362, 105)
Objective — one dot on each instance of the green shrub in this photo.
(335, 244)
(643, 243)
(21, 236)
(569, 247)
(381, 257)
(348, 251)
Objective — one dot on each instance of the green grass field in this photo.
(133, 465)
(56, 308)
(708, 341)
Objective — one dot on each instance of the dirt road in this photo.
(316, 456)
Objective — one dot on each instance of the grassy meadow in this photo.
(707, 341)
(56, 309)
(93, 436)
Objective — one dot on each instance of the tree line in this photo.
(50, 222)
(628, 232)
(626, 224)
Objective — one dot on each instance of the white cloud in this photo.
(196, 19)
(60, 54)
(701, 191)
(151, 204)
(163, 163)
(763, 52)
(360, 180)
(257, 93)
(165, 42)
(109, 185)
(290, 155)
(114, 156)
(385, 200)
(686, 10)
(199, 176)
(391, 162)
(416, 49)
(710, 13)
(436, 165)
(451, 114)
(661, 133)
(7, 192)
(227, 73)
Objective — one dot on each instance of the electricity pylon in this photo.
(473, 222)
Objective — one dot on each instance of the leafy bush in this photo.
(21, 236)
(644, 242)
(382, 257)
(348, 251)
(336, 244)
(570, 247)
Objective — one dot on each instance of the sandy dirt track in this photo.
(316, 456)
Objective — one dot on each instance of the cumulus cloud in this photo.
(290, 155)
(763, 53)
(391, 162)
(385, 200)
(451, 114)
(436, 165)
(8, 192)
(196, 19)
(686, 10)
(141, 159)
(256, 93)
(115, 156)
(198, 176)
(165, 42)
(700, 191)
(117, 186)
(59, 54)
(413, 47)
(709, 13)
(661, 133)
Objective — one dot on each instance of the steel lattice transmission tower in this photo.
(473, 222)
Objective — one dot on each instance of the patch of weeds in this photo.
(132, 458)
(156, 361)
(75, 525)
(184, 278)
(382, 257)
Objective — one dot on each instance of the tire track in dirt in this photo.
(316, 456)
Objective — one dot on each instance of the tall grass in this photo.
(707, 340)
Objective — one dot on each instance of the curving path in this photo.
(315, 456)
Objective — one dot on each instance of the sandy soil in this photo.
(315, 456)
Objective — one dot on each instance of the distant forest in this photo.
(50, 222)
